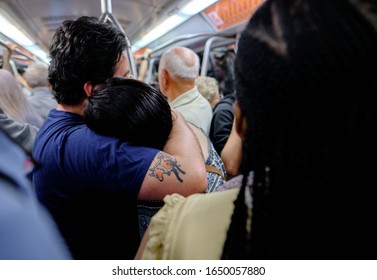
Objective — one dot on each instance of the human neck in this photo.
(75, 109)
(179, 87)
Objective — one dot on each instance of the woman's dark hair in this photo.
(305, 86)
(130, 110)
(84, 50)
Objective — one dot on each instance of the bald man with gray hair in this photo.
(178, 70)
(41, 97)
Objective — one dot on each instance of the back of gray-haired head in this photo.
(36, 75)
(208, 87)
(181, 62)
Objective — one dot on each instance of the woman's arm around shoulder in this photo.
(179, 168)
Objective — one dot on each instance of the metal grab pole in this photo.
(106, 6)
(207, 49)
(2, 43)
(107, 15)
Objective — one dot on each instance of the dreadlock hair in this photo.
(304, 85)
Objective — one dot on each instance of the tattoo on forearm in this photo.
(166, 164)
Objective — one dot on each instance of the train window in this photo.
(221, 67)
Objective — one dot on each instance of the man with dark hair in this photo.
(90, 183)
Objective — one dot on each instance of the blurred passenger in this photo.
(89, 182)
(222, 121)
(306, 110)
(14, 103)
(224, 136)
(223, 118)
(209, 88)
(22, 133)
(224, 69)
(137, 113)
(27, 232)
(41, 96)
(177, 71)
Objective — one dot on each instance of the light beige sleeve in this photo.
(191, 228)
(159, 227)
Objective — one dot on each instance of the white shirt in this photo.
(194, 108)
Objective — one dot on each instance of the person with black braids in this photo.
(307, 107)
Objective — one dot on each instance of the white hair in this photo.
(36, 75)
(181, 63)
(208, 87)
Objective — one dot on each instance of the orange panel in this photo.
(229, 13)
(140, 52)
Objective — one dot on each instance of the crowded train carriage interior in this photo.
(55, 77)
(210, 28)
(140, 32)
(188, 129)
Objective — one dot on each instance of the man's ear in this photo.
(241, 124)
(165, 79)
(88, 88)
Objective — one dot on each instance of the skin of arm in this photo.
(144, 65)
(202, 139)
(232, 152)
(142, 245)
(179, 168)
(6, 57)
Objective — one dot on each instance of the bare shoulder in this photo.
(202, 138)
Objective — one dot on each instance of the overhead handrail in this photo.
(152, 60)
(179, 39)
(8, 63)
(107, 15)
(184, 38)
(207, 49)
(4, 44)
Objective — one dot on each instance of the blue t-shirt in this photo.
(90, 183)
